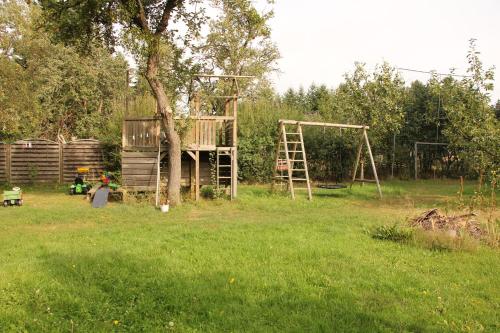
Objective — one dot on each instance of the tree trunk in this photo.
(166, 112)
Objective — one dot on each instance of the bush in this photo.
(393, 233)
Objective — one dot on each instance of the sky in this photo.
(320, 40)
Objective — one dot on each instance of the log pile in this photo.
(433, 220)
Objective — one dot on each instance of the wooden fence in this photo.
(45, 161)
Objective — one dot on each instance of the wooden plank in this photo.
(289, 168)
(197, 176)
(151, 177)
(312, 123)
(8, 164)
(127, 154)
(309, 193)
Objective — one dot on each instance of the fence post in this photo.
(8, 163)
(61, 163)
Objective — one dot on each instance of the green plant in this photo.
(394, 233)
(208, 192)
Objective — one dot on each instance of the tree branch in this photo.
(141, 17)
(165, 17)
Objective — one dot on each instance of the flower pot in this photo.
(164, 208)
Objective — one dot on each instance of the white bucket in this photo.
(164, 208)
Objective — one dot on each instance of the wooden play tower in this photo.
(209, 145)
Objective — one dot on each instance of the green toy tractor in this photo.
(80, 185)
(13, 198)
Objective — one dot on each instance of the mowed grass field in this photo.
(262, 263)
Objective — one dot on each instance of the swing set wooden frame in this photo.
(286, 164)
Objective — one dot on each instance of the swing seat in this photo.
(332, 186)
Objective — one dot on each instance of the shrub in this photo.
(393, 233)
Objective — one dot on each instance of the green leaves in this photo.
(50, 89)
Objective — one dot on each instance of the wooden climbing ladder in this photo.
(224, 167)
(291, 163)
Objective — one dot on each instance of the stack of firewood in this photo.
(435, 221)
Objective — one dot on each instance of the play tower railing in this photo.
(204, 133)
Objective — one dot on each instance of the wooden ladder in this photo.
(224, 170)
(291, 162)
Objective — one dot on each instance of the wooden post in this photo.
(8, 163)
(294, 148)
(61, 163)
(126, 92)
(416, 160)
(372, 162)
(234, 172)
(192, 172)
(227, 106)
(285, 142)
(197, 104)
(234, 151)
(217, 157)
(362, 172)
(157, 199)
(197, 176)
(358, 157)
(309, 193)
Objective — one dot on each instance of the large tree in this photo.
(47, 88)
(472, 127)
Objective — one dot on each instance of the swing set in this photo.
(291, 161)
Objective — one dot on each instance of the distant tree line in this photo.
(446, 109)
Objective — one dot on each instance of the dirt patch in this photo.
(433, 220)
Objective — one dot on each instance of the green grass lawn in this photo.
(262, 263)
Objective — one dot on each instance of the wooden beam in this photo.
(416, 160)
(372, 162)
(157, 194)
(234, 173)
(312, 123)
(431, 143)
(197, 176)
(8, 164)
(358, 157)
(289, 167)
(225, 76)
(309, 192)
(61, 163)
